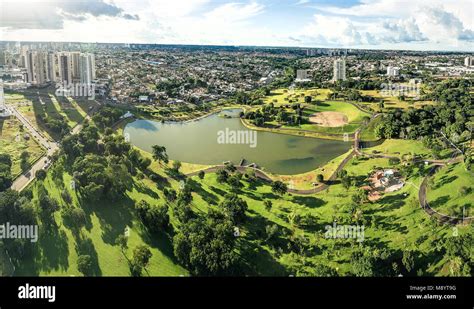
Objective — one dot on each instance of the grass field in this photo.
(283, 96)
(451, 189)
(35, 106)
(400, 148)
(354, 117)
(58, 248)
(391, 102)
(286, 97)
(14, 140)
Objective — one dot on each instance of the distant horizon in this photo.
(248, 46)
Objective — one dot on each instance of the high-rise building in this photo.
(393, 71)
(87, 68)
(36, 65)
(64, 67)
(3, 57)
(339, 69)
(303, 76)
(469, 61)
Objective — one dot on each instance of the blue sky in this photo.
(381, 24)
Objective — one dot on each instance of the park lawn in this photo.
(13, 143)
(282, 96)
(67, 109)
(444, 190)
(367, 133)
(395, 102)
(394, 217)
(36, 106)
(400, 148)
(354, 115)
(396, 222)
(58, 248)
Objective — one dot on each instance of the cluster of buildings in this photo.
(180, 75)
(37, 65)
(43, 67)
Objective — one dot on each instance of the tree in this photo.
(408, 260)
(176, 166)
(41, 174)
(268, 204)
(279, 187)
(159, 153)
(5, 172)
(122, 242)
(362, 265)
(222, 175)
(234, 208)
(272, 232)
(234, 182)
(201, 174)
(207, 246)
(141, 258)
(153, 217)
(320, 178)
(84, 264)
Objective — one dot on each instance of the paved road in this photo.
(50, 146)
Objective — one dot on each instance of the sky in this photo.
(369, 24)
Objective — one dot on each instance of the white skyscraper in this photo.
(36, 65)
(393, 71)
(468, 61)
(339, 69)
(87, 68)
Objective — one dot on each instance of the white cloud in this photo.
(436, 23)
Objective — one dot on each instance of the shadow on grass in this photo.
(208, 197)
(308, 201)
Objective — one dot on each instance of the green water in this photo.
(197, 142)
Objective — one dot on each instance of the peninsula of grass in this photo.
(450, 190)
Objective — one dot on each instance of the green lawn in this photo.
(283, 96)
(14, 140)
(57, 250)
(451, 189)
(400, 148)
(396, 221)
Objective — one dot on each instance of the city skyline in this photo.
(388, 24)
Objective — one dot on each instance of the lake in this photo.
(197, 142)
